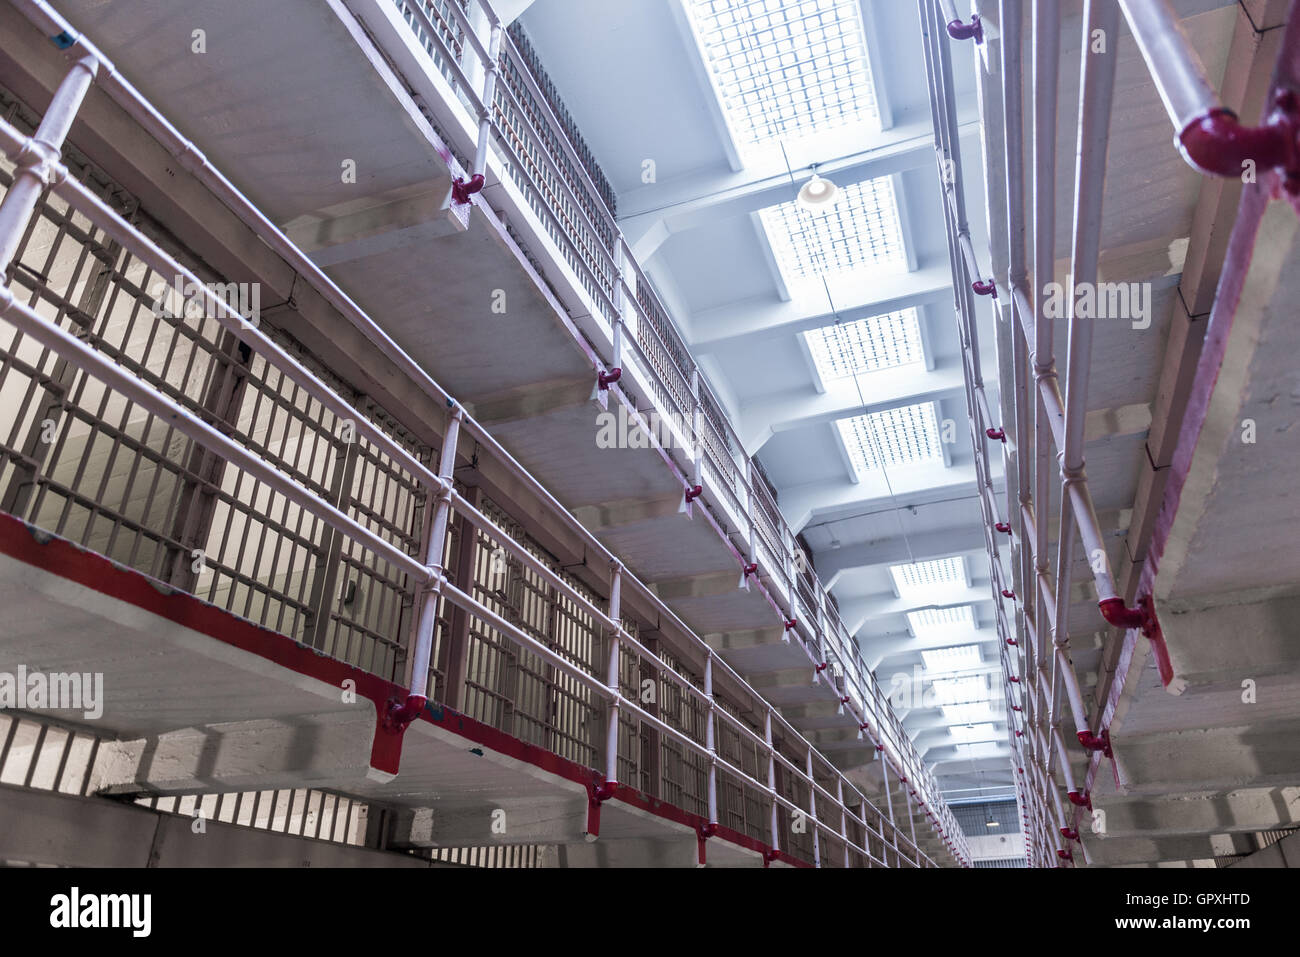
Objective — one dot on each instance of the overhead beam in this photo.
(801, 503)
(889, 389)
(854, 298)
(657, 211)
(833, 563)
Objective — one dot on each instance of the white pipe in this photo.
(422, 653)
(1173, 62)
(612, 727)
(39, 156)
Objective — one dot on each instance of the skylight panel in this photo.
(973, 732)
(861, 230)
(952, 659)
(967, 713)
(904, 436)
(783, 69)
(956, 690)
(922, 581)
(940, 621)
(867, 345)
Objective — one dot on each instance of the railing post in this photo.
(697, 420)
(889, 803)
(32, 166)
(615, 649)
(771, 779)
(433, 551)
(489, 98)
(710, 741)
(844, 819)
(812, 812)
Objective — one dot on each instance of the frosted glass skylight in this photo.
(967, 713)
(904, 436)
(973, 732)
(952, 659)
(957, 690)
(922, 581)
(783, 69)
(866, 345)
(862, 229)
(939, 621)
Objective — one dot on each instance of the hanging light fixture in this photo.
(818, 194)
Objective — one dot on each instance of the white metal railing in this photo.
(1035, 652)
(38, 169)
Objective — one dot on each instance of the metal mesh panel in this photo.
(84, 463)
(784, 68)
(862, 229)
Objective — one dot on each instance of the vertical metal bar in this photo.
(433, 552)
(709, 741)
(44, 147)
(615, 646)
(812, 812)
(771, 777)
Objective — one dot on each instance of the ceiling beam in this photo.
(888, 389)
(832, 564)
(658, 210)
(854, 297)
(906, 485)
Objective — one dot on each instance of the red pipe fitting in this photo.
(1003, 527)
(966, 31)
(1020, 734)
(1093, 742)
(707, 831)
(1216, 143)
(823, 666)
(982, 287)
(461, 191)
(1016, 707)
(998, 435)
(1065, 855)
(791, 624)
(879, 747)
(751, 568)
(1080, 800)
(1069, 833)
(602, 792)
(1014, 680)
(1013, 643)
(1008, 593)
(400, 714)
(694, 492)
(844, 699)
(606, 379)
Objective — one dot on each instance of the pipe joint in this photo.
(1217, 144)
(967, 31)
(400, 713)
(1121, 616)
(606, 379)
(694, 492)
(997, 435)
(985, 287)
(1096, 742)
(462, 190)
(1080, 799)
(1003, 527)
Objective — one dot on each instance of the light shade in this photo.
(818, 194)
